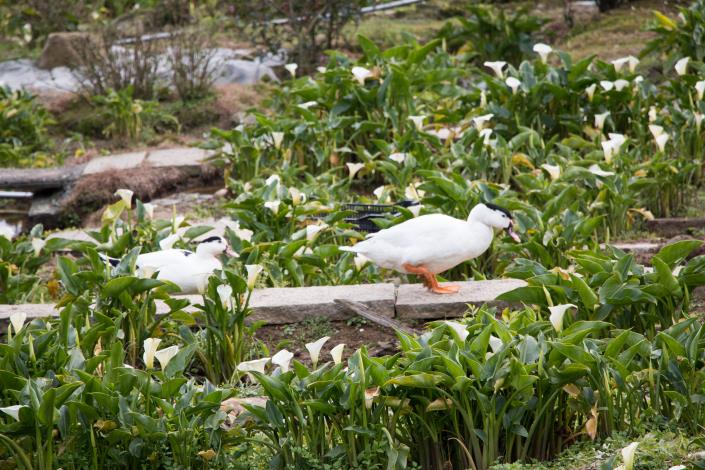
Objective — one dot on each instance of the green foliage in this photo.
(679, 38)
(23, 130)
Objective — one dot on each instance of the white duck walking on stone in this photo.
(434, 243)
(186, 269)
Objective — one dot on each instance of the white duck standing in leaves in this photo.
(434, 243)
(187, 269)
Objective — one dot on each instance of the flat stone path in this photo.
(295, 304)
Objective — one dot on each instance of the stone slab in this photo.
(415, 301)
(38, 179)
(123, 161)
(671, 227)
(186, 156)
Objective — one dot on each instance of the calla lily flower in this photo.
(554, 171)
(361, 74)
(150, 348)
(312, 230)
(607, 85)
(608, 150)
(253, 271)
(486, 134)
(600, 119)
(698, 117)
(297, 197)
(415, 209)
(443, 133)
(13, 411)
(480, 122)
(418, 121)
(682, 66)
(149, 210)
(655, 130)
(168, 242)
(379, 191)
(590, 91)
(126, 196)
(495, 343)
(543, 50)
(277, 138)
(273, 205)
(620, 84)
(244, 234)
(629, 60)
(337, 353)
(459, 329)
(273, 180)
(291, 68)
(413, 193)
(360, 261)
(314, 349)
(700, 89)
(399, 157)
(353, 168)
(307, 105)
(321, 69)
(653, 114)
(256, 365)
(17, 320)
(628, 454)
(557, 314)
(661, 141)
(597, 171)
(513, 83)
(496, 67)
(165, 355)
(38, 244)
(618, 139)
(282, 359)
(225, 294)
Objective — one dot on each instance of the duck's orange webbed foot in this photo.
(429, 280)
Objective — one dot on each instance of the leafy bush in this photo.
(23, 129)
(681, 38)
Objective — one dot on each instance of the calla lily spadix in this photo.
(126, 196)
(273, 205)
(314, 349)
(253, 270)
(543, 50)
(282, 359)
(459, 329)
(496, 67)
(590, 91)
(291, 68)
(225, 294)
(418, 121)
(700, 89)
(256, 365)
(337, 353)
(38, 244)
(150, 348)
(628, 454)
(682, 66)
(353, 168)
(513, 83)
(361, 74)
(557, 314)
(600, 119)
(554, 171)
(165, 355)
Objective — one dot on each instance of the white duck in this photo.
(186, 269)
(434, 243)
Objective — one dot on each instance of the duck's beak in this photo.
(512, 233)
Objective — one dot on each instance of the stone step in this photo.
(674, 226)
(295, 304)
(39, 179)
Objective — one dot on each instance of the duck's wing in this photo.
(159, 259)
(419, 230)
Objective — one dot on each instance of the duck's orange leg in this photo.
(430, 281)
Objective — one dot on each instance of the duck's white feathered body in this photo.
(436, 241)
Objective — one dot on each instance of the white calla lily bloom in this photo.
(597, 171)
(354, 168)
(361, 74)
(253, 270)
(607, 85)
(337, 353)
(379, 191)
(590, 91)
(557, 314)
(628, 454)
(12, 411)
(360, 261)
(165, 355)
(277, 138)
(17, 320)
(600, 119)
(282, 359)
(314, 349)
(496, 67)
(495, 343)
(513, 83)
(698, 118)
(661, 141)
(307, 105)
(297, 197)
(554, 171)
(126, 196)
(460, 329)
(653, 114)
(480, 122)
(256, 365)
(700, 89)
(150, 348)
(682, 66)
(312, 230)
(543, 50)
(655, 130)
(273, 205)
(38, 244)
(149, 210)
(399, 157)
(225, 294)
(621, 84)
(486, 134)
(608, 150)
(291, 68)
(418, 121)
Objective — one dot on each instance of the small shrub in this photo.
(191, 59)
(23, 128)
(684, 38)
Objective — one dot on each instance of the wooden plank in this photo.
(39, 179)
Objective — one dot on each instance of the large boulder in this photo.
(61, 49)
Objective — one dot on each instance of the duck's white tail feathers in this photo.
(112, 261)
